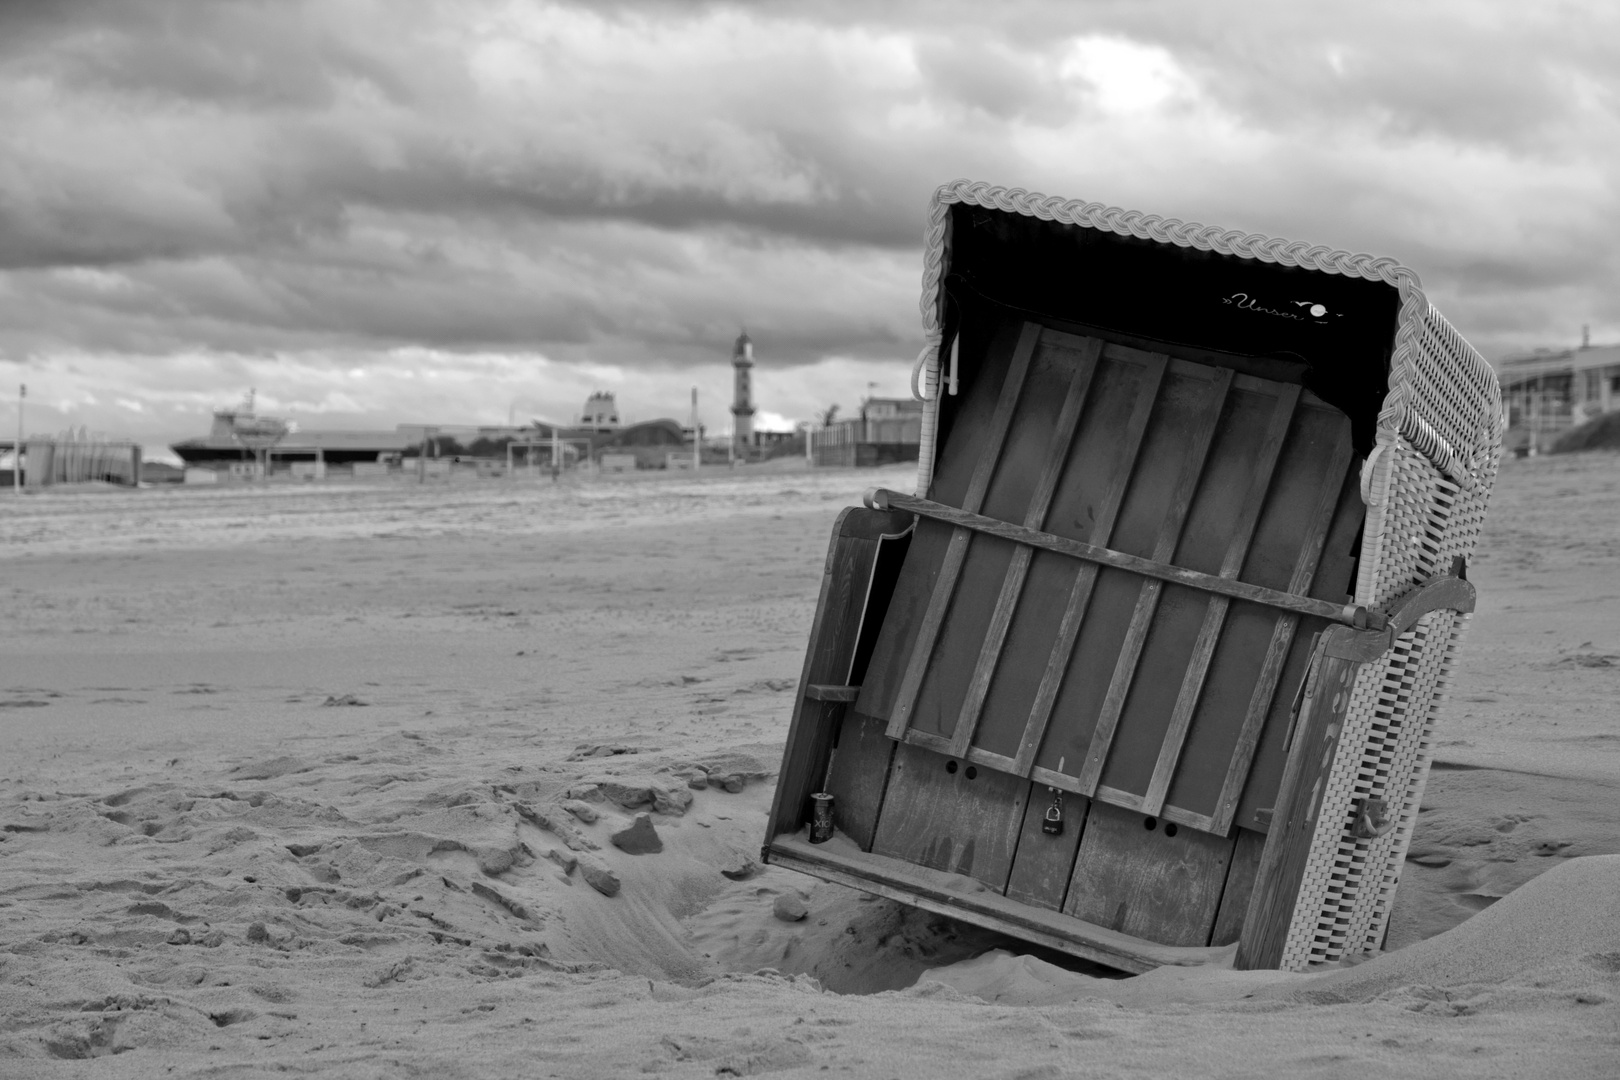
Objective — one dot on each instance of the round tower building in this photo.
(742, 402)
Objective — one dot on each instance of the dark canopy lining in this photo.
(1334, 334)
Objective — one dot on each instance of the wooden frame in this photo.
(1142, 383)
(854, 588)
(1140, 594)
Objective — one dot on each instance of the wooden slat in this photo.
(1288, 845)
(859, 775)
(1347, 614)
(1145, 882)
(1239, 887)
(945, 583)
(831, 692)
(1191, 819)
(967, 723)
(1044, 863)
(978, 755)
(1282, 639)
(891, 557)
(946, 816)
(1192, 683)
(844, 584)
(1128, 800)
(1080, 594)
(948, 894)
(1054, 778)
(928, 741)
(1192, 467)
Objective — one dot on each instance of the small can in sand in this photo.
(821, 817)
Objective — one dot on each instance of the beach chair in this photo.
(1151, 662)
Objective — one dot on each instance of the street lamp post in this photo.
(697, 451)
(16, 453)
(428, 432)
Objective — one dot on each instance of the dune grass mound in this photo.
(1600, 434)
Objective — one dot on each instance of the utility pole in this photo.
(697, 441)
(16, 456)
(422, 451)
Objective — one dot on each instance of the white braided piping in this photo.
(929, 359)
(1397, 415)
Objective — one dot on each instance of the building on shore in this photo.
(1547, 393)
(74, 459)
(601, 413)
(243, 444)
(888, 430)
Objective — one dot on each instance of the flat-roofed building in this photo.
(1547, 393)
(887, 430)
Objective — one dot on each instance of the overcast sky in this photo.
(382, 211)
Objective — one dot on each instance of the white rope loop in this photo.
(929, 351)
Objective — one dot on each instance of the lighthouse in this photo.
(742, 404)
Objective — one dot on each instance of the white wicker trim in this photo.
(1422, 336)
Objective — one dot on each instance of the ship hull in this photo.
(204, 453)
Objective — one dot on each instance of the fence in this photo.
(868, 442)
(47, 462)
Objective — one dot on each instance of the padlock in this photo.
(1052, 824)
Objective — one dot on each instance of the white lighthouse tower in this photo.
(742, 404)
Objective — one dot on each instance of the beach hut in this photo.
(1150, 663)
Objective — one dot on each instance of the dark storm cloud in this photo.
(626, 183)
(1473, 70)
(236, 54)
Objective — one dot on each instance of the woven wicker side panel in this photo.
(1455, 392)
(1369, 936)
(1394, 767)
(1388, 719)
(1402, 517)
(1423, 521)
(1463, 514)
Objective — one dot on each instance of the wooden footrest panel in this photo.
(959, 897)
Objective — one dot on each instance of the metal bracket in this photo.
(1373, 819)
(1447, 592)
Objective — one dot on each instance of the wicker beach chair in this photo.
(1150, 663)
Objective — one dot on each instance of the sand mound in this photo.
(1007, 978)
(1600, 434)
(1558, 934)
(1561, 931)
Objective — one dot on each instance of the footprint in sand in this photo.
(1608, 963)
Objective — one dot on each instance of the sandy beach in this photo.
(322, 780)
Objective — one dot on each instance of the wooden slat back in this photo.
(1085, 507)
(1197, 437)
(905, 711)
(1028, 661)
(1192, 684)
(1249, 661)
(1056, 454)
